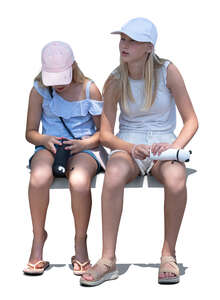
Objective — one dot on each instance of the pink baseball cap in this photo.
(57, 59)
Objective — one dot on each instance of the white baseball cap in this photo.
(57, 59)
(140, 30)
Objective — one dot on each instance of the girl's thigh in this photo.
(122, 166)
(82, 164)
(169, 171)
(41, 167)
(42, 159)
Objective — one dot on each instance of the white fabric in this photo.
(162, 114)
(147, 138)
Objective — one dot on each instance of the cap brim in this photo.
(116, 32)
(135, 38)
(61, 78)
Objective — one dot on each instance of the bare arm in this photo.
(107, 136)
(33, 118)
(190, 123)
(93, 141)
(33, 122)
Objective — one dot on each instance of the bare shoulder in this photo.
(112, 89)
(174, 76)
(35, 96)
(94, 92)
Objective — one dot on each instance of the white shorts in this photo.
(148, 138)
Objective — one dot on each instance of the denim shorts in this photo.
(147, 138)
(38, 148)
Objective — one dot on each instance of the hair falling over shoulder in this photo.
(120, 74)
(78, 76)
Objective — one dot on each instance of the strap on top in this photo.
(88, 88)
(64, 124)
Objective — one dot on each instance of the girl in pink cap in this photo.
(148, 90)
(69, 106)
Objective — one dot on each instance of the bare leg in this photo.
(40, 180)
(84, 169)
(121, 169)
(173, 176)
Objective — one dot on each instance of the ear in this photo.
(149, 47)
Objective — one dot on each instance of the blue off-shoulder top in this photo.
(76, 114)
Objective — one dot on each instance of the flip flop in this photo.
(36, 269)
(82, 266)
(171, 267)
(98, 278)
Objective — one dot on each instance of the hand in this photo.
(50, 141)
(74, 146)
(140, 151)
(158, 148)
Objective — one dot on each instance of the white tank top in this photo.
(160, 117)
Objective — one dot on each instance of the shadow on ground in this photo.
(123, 268)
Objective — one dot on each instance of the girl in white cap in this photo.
(62, 91)
(148, 90)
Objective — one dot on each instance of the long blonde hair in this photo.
(152, 64)
(78, 76)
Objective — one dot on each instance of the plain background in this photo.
(188, 36)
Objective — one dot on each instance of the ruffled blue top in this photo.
(76, 114)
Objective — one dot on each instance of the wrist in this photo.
(132, 149)
(85, 143)
(43, 139)
(176, 146)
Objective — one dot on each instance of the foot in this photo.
(37, 268)
(98, 270)
(37, 248)
(169, 271)
(78, 267)
(81, 255)
(102, 271)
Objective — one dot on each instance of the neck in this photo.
(136, 69)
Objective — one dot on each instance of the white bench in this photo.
(139, 182)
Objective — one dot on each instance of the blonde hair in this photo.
(78, 76)
(152, 64)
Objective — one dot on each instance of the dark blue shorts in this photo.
(38, 148)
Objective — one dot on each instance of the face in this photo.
(131, 50)
(64, 87)
(61, 88)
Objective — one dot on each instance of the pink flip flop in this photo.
(36, 269)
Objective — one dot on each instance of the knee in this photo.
(79, 183)
(175, 182)
(115, 176)
(41, 178)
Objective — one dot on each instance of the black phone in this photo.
(60, 161)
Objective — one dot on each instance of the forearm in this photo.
(91, 142)
(34, 137)
(186, 134)
(111, 141)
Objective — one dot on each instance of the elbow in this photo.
(26, 136)
(196, 124)
(192, 124)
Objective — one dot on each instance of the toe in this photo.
(169, 274)
(87, 277)
(76, 267)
